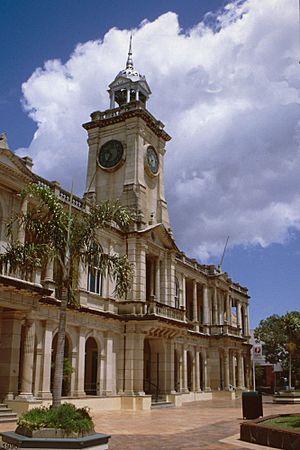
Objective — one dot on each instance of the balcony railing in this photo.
(169, 312)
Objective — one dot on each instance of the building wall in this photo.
(182, 332)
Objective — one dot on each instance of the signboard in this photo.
(257, 352)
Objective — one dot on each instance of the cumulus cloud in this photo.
(228, 92)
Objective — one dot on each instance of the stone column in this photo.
(206, 312)
(38, 370)
(110, 366)
(233, 366)
(164, 292)
(248, 321)
(137, 95)
(133, 254)
(128, 95)
(112, 99)
(184, 370)
(140, 273)
(28, 360)
(80, 363)
(238, 314)
(152, 278)
(226, 369)
(74, 359)
(197, 371)
(240, 381)
(170, 367)
(157, 280)
(206, 381)
(129, 362)
(183, 296)
(47, 353)
(21, 230)
(101, 373)
(93, 143)
(195, 302)
(138, 364)
(172, 280)
(48, 281)
(220, 308)
(215, 306)
(180, 371)
(228, 308)
(195, 306)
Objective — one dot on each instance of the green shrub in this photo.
(285, 422)
(66, 417)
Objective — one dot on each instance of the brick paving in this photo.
(194, 426)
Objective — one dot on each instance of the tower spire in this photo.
(129, 63)
(129, 85)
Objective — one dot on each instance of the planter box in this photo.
(95, 441)
(257, 432)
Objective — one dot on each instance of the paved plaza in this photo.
(210, 425)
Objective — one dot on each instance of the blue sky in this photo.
(226, 85)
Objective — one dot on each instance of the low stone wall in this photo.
(96, 441)
(257, 432)
(112, 403)
(287, 397)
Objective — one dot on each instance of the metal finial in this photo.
(129, 64)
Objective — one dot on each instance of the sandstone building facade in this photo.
(183, 332)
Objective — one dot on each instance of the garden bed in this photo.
(279, 431)
(64, 427)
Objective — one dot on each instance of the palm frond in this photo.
(118, 268)
(25, 257)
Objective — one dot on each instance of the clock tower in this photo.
(126, 150)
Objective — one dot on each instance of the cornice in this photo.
(111, 117)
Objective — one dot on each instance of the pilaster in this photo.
(28, 360)
(46, 369)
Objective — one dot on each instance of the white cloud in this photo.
(229, 95)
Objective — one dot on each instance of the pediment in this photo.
(160, 236)
(119, 81)
(145, 86)
(13, 164)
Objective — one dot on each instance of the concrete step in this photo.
(162, 404)
(7, 415)
(8, 420)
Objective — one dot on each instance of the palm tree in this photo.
(53, 233)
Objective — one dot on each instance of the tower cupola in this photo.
(129, 85)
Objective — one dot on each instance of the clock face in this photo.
(110, 154)
(152, 160)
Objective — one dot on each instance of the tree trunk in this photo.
(290, 370)
(60, 353)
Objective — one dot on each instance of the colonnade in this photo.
(120, 362)
(28, 372)
(235, 369)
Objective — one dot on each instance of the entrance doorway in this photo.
(91, 366)
(154, 363)
(189, 371)
(68, 369)
(176, 371)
